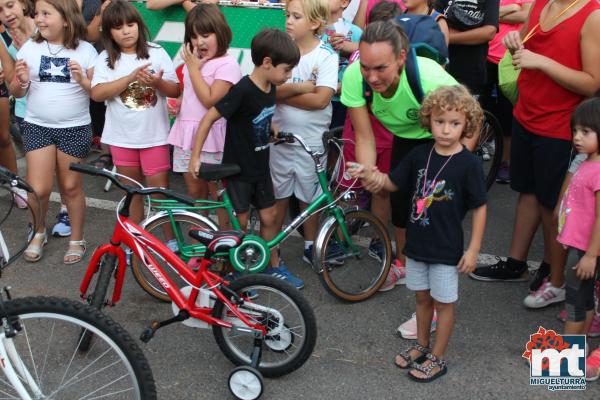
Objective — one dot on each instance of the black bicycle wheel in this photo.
(490, 147)
(366, 261)
(288, 343)
(46, 350)
(106, 269)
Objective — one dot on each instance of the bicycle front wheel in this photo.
(182, 245)
(354, 269)
(48, 363)
(287, 316)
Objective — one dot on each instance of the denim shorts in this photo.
(440, 279)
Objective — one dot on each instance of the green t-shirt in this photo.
(400, 113)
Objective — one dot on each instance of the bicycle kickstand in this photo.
(257, 352)
(149, 332)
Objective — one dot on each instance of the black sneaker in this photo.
(501, 271)
(538, 278)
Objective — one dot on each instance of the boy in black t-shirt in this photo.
(471, 24)
(446, 181)
(248, 109)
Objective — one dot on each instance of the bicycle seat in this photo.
(215, 172)
(217, 241)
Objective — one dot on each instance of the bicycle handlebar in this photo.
(13, 179)
(89, 170)
(289, 137)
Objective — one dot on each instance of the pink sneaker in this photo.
(396, 276)
(408, 330)
(592, 366)
(20, 197)
(595, 328)
(545, 295)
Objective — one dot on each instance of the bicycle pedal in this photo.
(149, 332)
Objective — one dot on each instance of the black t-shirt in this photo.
(434, 231)
(248, 111)
(468, 62)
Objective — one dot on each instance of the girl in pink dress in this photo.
(208, 75)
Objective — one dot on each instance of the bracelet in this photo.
(24, 86)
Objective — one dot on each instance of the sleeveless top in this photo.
(544, 107)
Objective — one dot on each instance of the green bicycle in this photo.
(355, 273)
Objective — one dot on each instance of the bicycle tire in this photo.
(490, 142)
(53, 321)
(143, 277)
(361, 275)
(98, 299)
(276, 362)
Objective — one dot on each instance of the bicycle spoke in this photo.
(108, 394)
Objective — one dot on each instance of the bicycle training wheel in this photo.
(183, 246)
(490, 147)
(289, 319)
(48, 363)
(354, 270)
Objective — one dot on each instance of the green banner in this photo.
(167, 27)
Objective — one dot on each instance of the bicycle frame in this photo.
(124, 233)
(14, 368)
(324, 200)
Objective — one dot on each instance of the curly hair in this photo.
(450, 98)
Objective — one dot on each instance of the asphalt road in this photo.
(356, 343)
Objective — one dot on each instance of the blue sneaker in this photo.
(230, 277)
(62, 228)
(282, 272)
(334, 253)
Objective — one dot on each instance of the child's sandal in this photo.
(408, 360)
(427, 370)
(73, 256)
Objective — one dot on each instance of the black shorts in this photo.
(3, 90)
(75, 141)
(400, 200)
(538, 164)
(259, 194)
(580, 294)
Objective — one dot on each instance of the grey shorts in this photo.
(440, 279)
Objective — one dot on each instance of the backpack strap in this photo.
(367, 94)
(412, 75)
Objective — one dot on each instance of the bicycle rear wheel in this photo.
(47, 348)
(184, 249)
(289, 319)
(490, 147)
(366, 260)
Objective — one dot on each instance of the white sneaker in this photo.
(396, 276)
(408, 330)
(544, 296)
(20, 197)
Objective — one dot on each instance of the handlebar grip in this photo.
(182, 198)
(327, 136)
(10, 177)
(86, 169)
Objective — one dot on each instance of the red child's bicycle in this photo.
(263, 325)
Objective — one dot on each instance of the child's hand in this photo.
(512, 41)
(22, 71)
(18, 37)
(191, 58)
(147, 78)
(356, 170)
(133, 76)
(194, 166)
(337, 41)
(77, 72)
(586, 267)
(173, 106)
(468, 262)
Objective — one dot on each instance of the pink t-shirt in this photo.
(578, 208)
(183, 132)
(497, 49)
